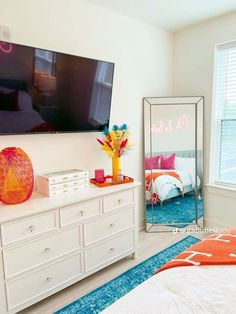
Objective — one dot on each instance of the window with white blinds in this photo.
(224, 122)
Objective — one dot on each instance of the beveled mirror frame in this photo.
(198, 102)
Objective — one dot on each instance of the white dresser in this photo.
(49, 244)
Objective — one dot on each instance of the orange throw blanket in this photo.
(217, 249)
(151, 177)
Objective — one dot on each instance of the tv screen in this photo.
(46, 91)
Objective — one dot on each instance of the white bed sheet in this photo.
(164, 184)
(182, 290)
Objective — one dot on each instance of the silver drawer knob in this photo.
(31, 228)
(49, 279)
(112, 249)
(82, 212)
(120, 201)
(47, 250)
(112, 224)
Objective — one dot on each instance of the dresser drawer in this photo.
(35, 284)
(110, 249)
(107, 226)
(27, 228)
(40, 251)
(116, 200)
(64, 176)
(73, 189)
(66, 185)
(72, 214)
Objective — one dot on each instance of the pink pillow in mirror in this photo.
(168, 162)
(151, 162)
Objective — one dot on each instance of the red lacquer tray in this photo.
(104, 184)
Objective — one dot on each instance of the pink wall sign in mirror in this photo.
(5, 47)
(181, 124)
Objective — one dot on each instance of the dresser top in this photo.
(39, 203)
(62, 173)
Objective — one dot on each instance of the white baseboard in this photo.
(141, 224)
(211, 224)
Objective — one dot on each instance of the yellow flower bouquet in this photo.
(115, 143)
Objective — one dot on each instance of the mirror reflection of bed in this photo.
(173, 163)
(175, 190)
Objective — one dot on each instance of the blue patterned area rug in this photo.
(176, 210)
(102, 297)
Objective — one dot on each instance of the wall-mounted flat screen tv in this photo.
(46, 91)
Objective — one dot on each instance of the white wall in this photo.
(193, 75)
(143, 67)
(173, 128)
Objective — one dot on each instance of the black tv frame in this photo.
(18, 86)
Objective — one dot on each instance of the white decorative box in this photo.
(58, 183)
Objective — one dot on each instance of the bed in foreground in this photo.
(185, 290)
(208, 288)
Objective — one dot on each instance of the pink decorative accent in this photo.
(153, 199)
(151, 162)
(182, 124)
(99, 175)
(6, 47)
(168, 162)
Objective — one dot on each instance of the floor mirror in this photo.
(173, 163)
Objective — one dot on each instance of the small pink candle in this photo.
(99, 175)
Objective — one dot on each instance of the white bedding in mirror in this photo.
(182, 290)
(164, 184)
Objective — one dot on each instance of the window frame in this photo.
(38, 56)
(216, 124)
